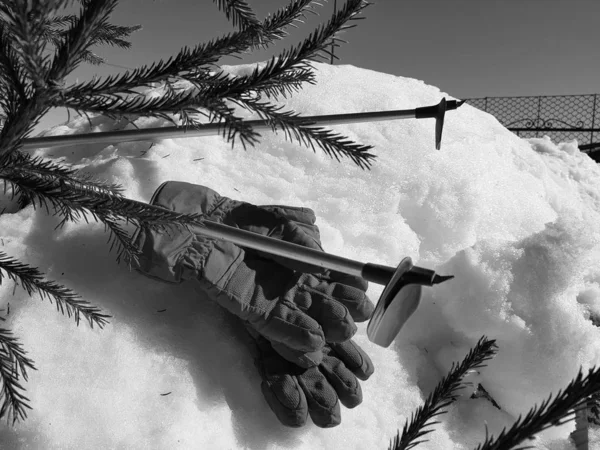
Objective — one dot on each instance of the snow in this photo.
(516, 221)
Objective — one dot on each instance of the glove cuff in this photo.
(178, 253)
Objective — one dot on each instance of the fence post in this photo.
(593, 120)
(537, 133)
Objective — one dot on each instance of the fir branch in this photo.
(13, 364)
(292, 59)
(188, 60)
(302, 130)
(115, 35)
(74, 202)
(37, 166)
(66, 300)
(80, 36)
(46, 76)
(185, 104)
(54, 32)
(550, 413)
(286, 84)
(126, 250)
(24, 22)
(11, 74)
(287, 16)
(239, 13)
(443, 395)
(92, 58)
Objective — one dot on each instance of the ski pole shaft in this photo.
(286, 249)
(435, 111)
(375, 273)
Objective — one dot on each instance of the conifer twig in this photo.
(443, 395)
(66, 300)
(13, 365)
(305, 132)
(239, 12)
(185, 65)
(551, 412)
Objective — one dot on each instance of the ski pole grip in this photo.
(377, 273)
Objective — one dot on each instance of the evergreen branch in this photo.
(230, 126)
(292, 59)
(135, 103)
(443, 395)
(74, 202)
(294, 12)
(92, 58)
(53, 30)
(186, 104)
(46, 77)
(11, 74)
(115, 35)
(32, 281)
(550, 413)
(188, 61)
(239, 13)
(13, 364)
(287, 83)
(24, 24)
(303, 131)
(36, 166)
(126, 250)
(79, 37)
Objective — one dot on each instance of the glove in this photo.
(293, 392)
(296, 311)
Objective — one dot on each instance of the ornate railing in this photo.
(561, 117)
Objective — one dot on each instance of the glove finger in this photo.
(343, 278)
(253, 293)
(300, 358)
(286, 399)
(290, 326)
(323, 404)
(279, 384)
(343, 381)
(354, 358)
(331, 314)
(351, 292)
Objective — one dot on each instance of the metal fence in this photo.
(561, 117)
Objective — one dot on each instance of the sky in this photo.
(467, 48)
(517, 222)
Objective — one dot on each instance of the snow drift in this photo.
(517, 222)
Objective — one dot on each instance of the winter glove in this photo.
(293, 392)
(297, 312)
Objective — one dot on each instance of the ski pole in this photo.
(436, 111)
(401, 295)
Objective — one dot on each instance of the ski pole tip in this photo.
(437, 279)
